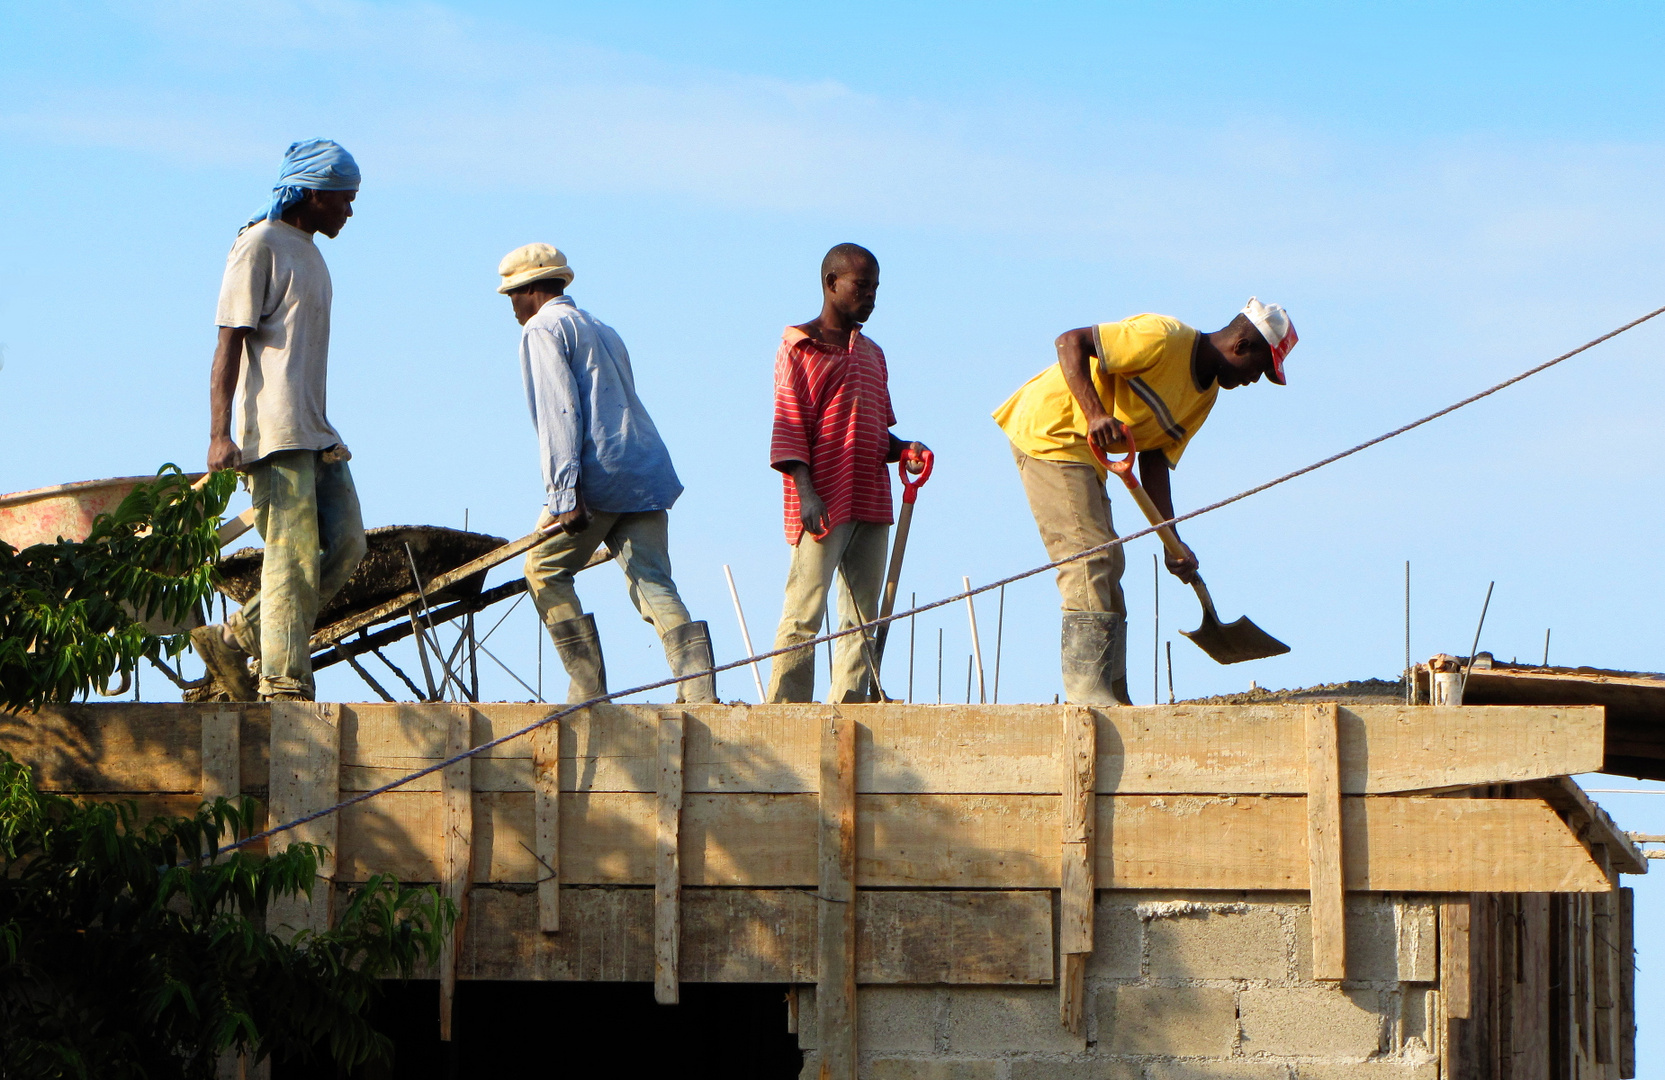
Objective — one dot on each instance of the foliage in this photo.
(67, 609)
(132, 950)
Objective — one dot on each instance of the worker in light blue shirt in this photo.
(607, 476)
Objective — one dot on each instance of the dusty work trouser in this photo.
(1072, 512)
(856, 551)
(639, 543)
(307, 512)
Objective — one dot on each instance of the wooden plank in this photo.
(221, 756)
(1078, 759)
(667, 884)
(1390, 844)
(138, 747)
(1624, 919)
(1454, 955)
(546, 824)
(1529, 1011)
(458, 838)
(305, 767)
(338, 630)
(1010, 749)
(958, 937)
(1324, 845)
(1582, 813)
(1603, 990)
(835, 997)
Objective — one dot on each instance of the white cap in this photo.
(533, 262)
(1273, 323)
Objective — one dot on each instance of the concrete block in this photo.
(1372, 941)
(1180, 1020)
(931, 1069)
(1089, 1069)
(1368, 1070)
(1248, 944)
(811, 1069)
(806, 1018)
(1312, 1022)
(1230, 1069)
(1007, 1018)
(1118, 939)
(1418, 941)
(897, 1019)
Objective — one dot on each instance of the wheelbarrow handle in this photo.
(910, 488)
(1124, 470)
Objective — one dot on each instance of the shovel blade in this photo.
(1234, 642)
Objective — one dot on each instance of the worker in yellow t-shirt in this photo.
(1154, 377)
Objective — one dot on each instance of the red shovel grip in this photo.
(1124, 467)
(910, 488)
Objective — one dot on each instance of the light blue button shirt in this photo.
(593, 430)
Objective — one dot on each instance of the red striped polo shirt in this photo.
(832, 410)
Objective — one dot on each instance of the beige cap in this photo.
(534, 262)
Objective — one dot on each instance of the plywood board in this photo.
(764, 936)
(305, 756)
(221, 757)
(546, 826)
(990, 749)
(110, 747)
(1397, 844)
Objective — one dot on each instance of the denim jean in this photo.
(639, 543)
(308, 514)
(855, 550)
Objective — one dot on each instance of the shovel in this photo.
(1225, 643)
(910, 491)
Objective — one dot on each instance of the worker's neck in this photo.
(834, 327)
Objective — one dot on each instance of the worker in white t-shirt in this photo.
(272, 359)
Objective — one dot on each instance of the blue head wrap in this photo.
(313, 164)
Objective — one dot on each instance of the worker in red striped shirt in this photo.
(831, 444)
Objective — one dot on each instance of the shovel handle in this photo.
(1124, 470)
(910, 488)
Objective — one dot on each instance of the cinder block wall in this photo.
(1212, 986)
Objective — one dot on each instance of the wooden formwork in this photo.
(908, 844)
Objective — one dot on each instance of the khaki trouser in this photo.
(638, 542)
(1072, 512)
(308, 514)
(856, 551)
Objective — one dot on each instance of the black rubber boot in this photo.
(579, 646)
(688, 651)
(1094, 656)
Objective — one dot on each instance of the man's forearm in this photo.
(1153, 473)
(1075, 358)
(799, 472)
(222, 380)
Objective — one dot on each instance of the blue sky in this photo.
(1441, 195)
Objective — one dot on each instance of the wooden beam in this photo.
(1455, 987)
(835, 997)
(905, 937)
(221, 756)
(994, 842)
(547, 824)
(1078, 758)
(667, 886)
(458, 839)
(305, 771)
(1324, 847)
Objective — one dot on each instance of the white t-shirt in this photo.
(276, 284)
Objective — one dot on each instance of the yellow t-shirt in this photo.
(1143, 377)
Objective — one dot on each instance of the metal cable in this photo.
(863, 628)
